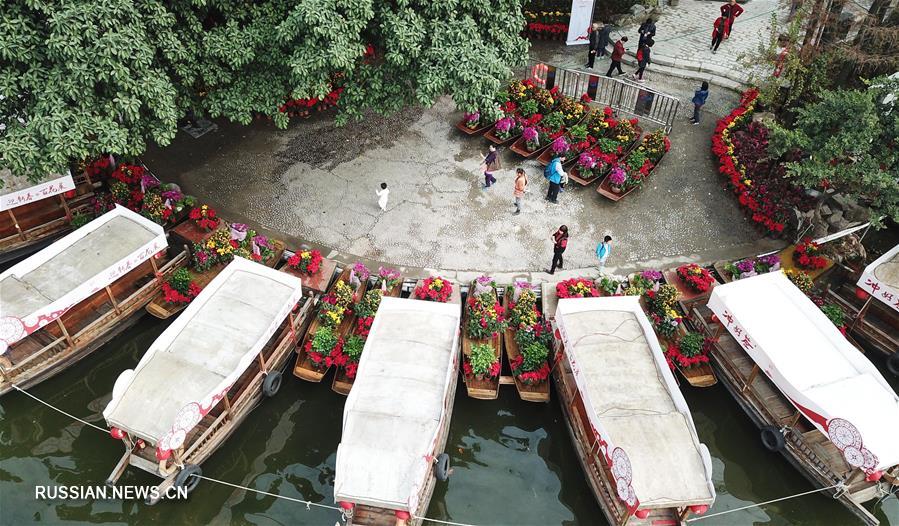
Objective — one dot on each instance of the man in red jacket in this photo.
(729, 12)
(617, 53)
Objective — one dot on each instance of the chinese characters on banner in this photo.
(36, 193)
(881, 292)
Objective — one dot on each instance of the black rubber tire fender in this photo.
(773, 439)
(442, 468)
(186, 479)
(893, 363)
(271, 383)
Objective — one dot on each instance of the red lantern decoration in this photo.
(69, 194)
(116, 433)
(874, 476)
(699, 509)
(861, 293)
(140, 443)
(346, 505)
(402, 515)
(715, 319)
(641, 514)
(163, 454)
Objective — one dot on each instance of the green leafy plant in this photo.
(324, 340)
(369, 304)
(80, 219)
(609, 286)
(180, 280)
(482, 360)
(578, 133)
(528, 108)
(534, 354)
(553, 122)
(352, 347)
(835, 314)
(691, 344)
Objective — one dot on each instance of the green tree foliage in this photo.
(848, 140)
(82, 77)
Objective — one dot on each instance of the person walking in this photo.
(560, 243)
(491, 164)
(521, 186)
(592, 45)
(699, 98)
(604, 39)
(603, 250)
(647, 31)
(717, 33)
(382, 194)
(730, 11)
(617, 54)
(643, 60)
(554, 174)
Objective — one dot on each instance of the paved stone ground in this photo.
(683, 37)
(316, 183)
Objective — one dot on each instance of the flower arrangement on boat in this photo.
(533, 336)
(325, 348)
(486, 317)
(835, 314)
(610, 286)
(643, 160)
(334, 305)
(576, 288)
(179, 288)
(664, 317)
(697, 278)
(482, 362)
(250, 245)
(217, 248)
(688, 351)
(572, 110)
(205, 217)
(749, 267)
(352, 349)
(507, 127)
(434, 288)
(805, 256)
(641, 282)
(559, 145)
(305, 261)
(387, 278)
(472, 119)
(523, 313)
(801, 279)
(366, 310)
(359, 273)
(531, 138)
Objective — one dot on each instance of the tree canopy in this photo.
(83, 77)
(849, 140)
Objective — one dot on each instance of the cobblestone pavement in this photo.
(683, 37)
(316, 183)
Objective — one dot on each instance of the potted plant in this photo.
(482, 363)
(434, 288)
(325, 348)
(665, 319)
(485, 315)
(179, 288)
(696, 278)
(205, 217)
(617, 179)
(305, 261)
(576, 288)
(806, 257)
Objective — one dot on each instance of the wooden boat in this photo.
(786, 262)
(480, 388)
(528, 393)
(163, 310)
(519, 148)
(820, 403)
(342, 384)
(305, 368)
(225, 353)
(700, 375)
(469, 131)
(605, 187)
(873, 305)
(396, 420)
(33, 214)
(318, 282)
(64, 302)
(629, 423)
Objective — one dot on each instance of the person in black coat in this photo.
(592, 45)
(604, 38)
(647, 31)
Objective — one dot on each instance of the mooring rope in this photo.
(760, 504)
(51, 406)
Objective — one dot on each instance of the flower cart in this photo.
(323, 343)
(309, 265)
(58, 305)
(210, 257)
(691, 280)
(636, 167)
(528, 341)
(32, 214)
(473, 123)
(388, 284)
(819, 402)
(205, 373)
(483, 322)
(629, 423)
(871, 304)
(397, 418)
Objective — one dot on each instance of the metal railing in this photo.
(621, 95)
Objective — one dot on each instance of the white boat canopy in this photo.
(398, 405)
(828, 380)
(881, 278)
(640, 418)
(43, 287)
(19, 190)
(193, 363)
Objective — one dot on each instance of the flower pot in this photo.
(616, 189)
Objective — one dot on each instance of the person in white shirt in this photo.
(602, 252)
(382, 196)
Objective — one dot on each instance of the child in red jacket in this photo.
(717, 33)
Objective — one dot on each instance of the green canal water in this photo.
(514, 463)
